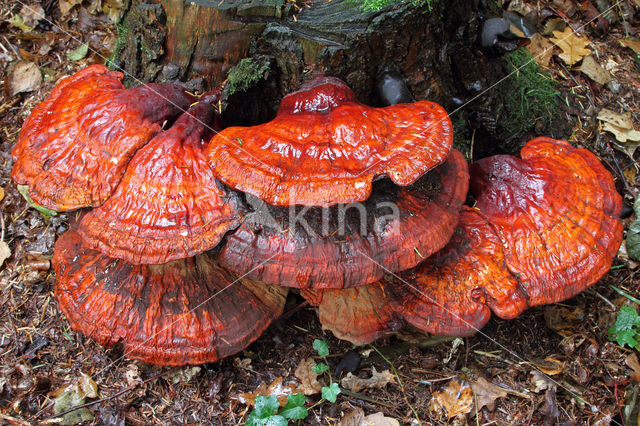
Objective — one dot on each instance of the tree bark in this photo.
(436, 50)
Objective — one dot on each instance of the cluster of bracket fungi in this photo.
(188, 239)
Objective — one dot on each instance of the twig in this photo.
(108, 398)
(13, 420)
(404, 394)
(366, 398)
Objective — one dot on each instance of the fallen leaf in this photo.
(78, 53)
(31, 14)
(554, 24)
(455, 399)
(377, 380)
(275, 388)
(573, 47)
(309, 384)
(487, 393)
(631, 44)
(5, 252)
(113, 9)
(594, 71)
(24, 77)
(621, 125)
(550, 366)
(632, 362)
(1, 193)
(564, 320)
(132, 375)
(632, 242)
(630, 174)
(541, 381)
(65, 6)
(352, 418)
(72, 395)
(540, 49)
(184, 375)
(379, 419)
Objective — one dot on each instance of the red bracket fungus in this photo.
(188, 311)
(75, 146)
(545, 228)
(169, 205)
(325, 148)
(343, 246)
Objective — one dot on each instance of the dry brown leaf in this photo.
(24, 77)
(594, 71)
(352, 418)
(455, 399)
(621, 125)
(66, 6)
(540, 49)
(550, 366)
(275, 388)
(541, 381)
(630, 173)
(564, 320)
(554, 24)
(573, 47)
(377, 380)
(631, 44)
(309, 384)
(378, 419)
(5, 252)
(31, 14)
(634, 365)
(183, 375)
(487, 393)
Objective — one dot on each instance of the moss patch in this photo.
(529, 95)
(244, 75)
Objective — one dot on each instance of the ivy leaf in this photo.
(294, 409)
(320, 368)
(265, 411)
(624, 331)
(321, 346)
(330, 393)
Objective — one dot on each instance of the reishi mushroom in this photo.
(169, 205)
(188, 311)
(544, 228)
(178, 267)
(326, 148)
(351, 245)
(75, 145)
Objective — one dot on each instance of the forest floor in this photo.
(552, 364)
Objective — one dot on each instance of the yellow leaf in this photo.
(573, 47)
(631, 44)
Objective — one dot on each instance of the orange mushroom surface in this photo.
(169, 205)
(188, 311)
(545, 228)
(325, 148)
(351, 245)
(75, 145)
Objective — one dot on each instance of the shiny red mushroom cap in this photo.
(75, 146)
(545, 228)
(189, 311)
(169, 205)
(325, 148)
(351, 245)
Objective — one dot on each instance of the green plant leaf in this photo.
(624, 331)
(321, 346)
(294, 413)
(79, 53)
(320, 368)
(330, 393)
(265, 407)
(633, 235)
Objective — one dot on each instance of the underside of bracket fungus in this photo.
(325, 148)
(544, 228)
(169, 205)
(188, 311)
(75, 146)
(345, 246)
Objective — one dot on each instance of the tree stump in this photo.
(435, 48)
